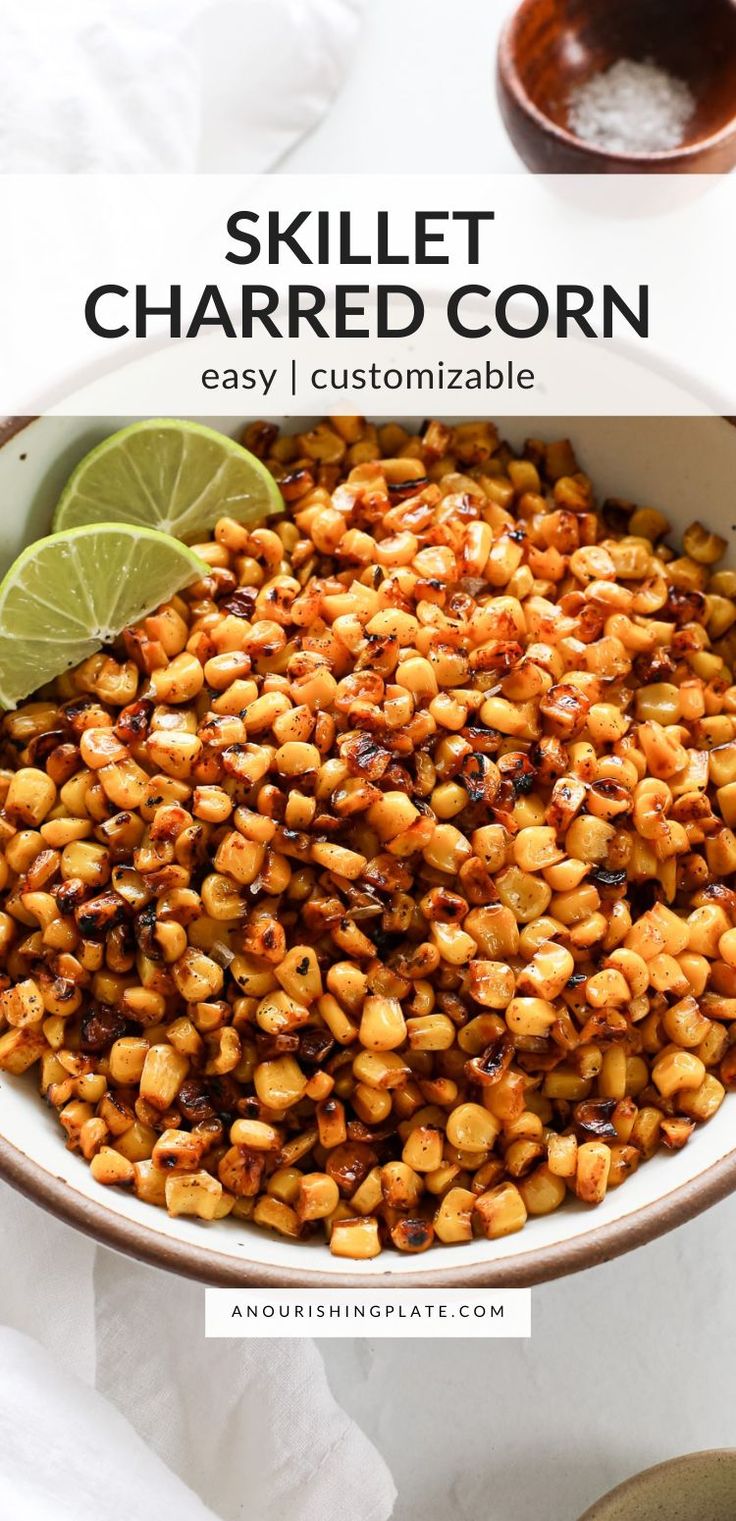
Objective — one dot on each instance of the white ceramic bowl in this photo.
(686, 467)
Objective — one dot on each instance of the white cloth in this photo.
(125, 1410)
(100, 86)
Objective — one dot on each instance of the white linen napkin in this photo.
(96, 86)
(125, 1410)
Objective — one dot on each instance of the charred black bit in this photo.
(493, 1062)
(241, 603)
(516, 768)
(684, 606)
(604, 877)
(593, 1117)
(101, 1025)
(100, 914)
(144, 928)
(42, 746)
(315, 1046)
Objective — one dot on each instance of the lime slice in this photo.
(179, 477)
(67, 595)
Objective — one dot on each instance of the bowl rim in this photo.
(638, 1481)
(600, 1244)
(511, 80)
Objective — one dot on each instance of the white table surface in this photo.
(420, 98)
(629, 1364)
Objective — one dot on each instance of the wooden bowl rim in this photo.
(511, 79)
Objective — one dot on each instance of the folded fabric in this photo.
(166, 85)
(270, 71)
(246, 1428)
(95, 86)
(66, 1453)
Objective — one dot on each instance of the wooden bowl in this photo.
(551, 46)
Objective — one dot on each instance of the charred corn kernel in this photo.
(21, 1048)
(283, 1184)
(296, 758)
(197, 977)
(391, 815)
(22, 1004)
(401, 1186)
(675, 1071)
(593, 1168)
(535, 848)
(318, 1196)
(162, 1075)
(447, 849)
(279, 1083)
(542, 1192)
(430, 1032)
(564, 1083)
(109, 1167)
(127, 1059)
(211, 804)
(684, 1024)
(299, 974)
(423, 1149)
(703, 1102)
(471, 1128)
(453, 1220)
(525, 894)
(240, 858)
(411, 1234)
(383, 1070)
(179, 1151)
(355, 1238)
(336, 858)
(136, 1142)
(179, 681)
(382, 1024)
(703, 547)
(278, 1013)
(500, 1211)
(194, 1193)
(562, 1155)
(550, 968)
(606, 987)
(454, 945)
(613, 1074)
(530, 1016)
(30, 796)
(125, 783)
(149, 1184)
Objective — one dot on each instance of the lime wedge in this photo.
(67, 595)
(179, 477)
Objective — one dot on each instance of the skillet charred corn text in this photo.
(382, 885)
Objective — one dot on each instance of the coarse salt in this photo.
(631, 108)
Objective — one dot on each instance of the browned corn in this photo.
(374, 886)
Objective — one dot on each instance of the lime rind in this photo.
(178, 477)
(67, 595)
